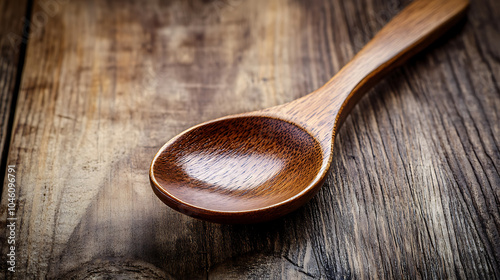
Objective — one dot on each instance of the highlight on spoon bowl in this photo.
(259, 166)
(237, 170)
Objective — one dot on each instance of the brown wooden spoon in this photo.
(258, 166)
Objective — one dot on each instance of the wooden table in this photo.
(99, 86)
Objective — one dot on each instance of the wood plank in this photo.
(414, 187)
(12, 35)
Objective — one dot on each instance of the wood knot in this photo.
(116, 269)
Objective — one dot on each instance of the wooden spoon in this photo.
(258, 166)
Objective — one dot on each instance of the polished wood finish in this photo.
(412, 192)
(259, 166)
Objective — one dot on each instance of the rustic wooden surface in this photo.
(413, 191)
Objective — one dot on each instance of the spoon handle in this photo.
(413, 29)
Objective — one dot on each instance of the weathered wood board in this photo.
(12, 36)
(414, 188)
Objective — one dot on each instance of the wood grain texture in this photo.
(11, 39)
(412, 193)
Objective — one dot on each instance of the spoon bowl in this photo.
(258, 166)
(244, 164)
